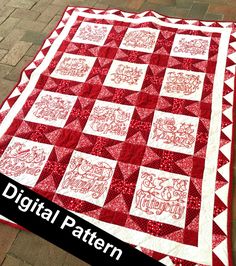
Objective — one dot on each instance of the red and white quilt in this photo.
(127, 119)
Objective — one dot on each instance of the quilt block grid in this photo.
(129, 118)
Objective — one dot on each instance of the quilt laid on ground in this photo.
(127, 119)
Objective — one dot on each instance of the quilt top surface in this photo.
(126, 119)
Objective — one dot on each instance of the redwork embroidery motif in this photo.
(160, 194)
(166, 129)
(52, 108)
(18, 159)
(179, 82)
(127, 74)
(109, 120)
(75, 67)
(140, 39)
(193, 47)
(88, 178)
(93, 33)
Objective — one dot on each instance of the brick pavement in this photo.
(24, 24)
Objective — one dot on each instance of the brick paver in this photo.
(3, 53)
(14, 73)
(8, 236)
(198, 10)
(10, 40)
(34, 37)
(49, 13)
(7, 26)
(13, 261)
(36, 251)
(25, 13)
(5, 11)
(5, 70)
(184, 3)
(73, 261)
(28, 24)
(22, 3)
(24, 24)
(6, 86)
(33, 50)
(51, 25)
(16, 53)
